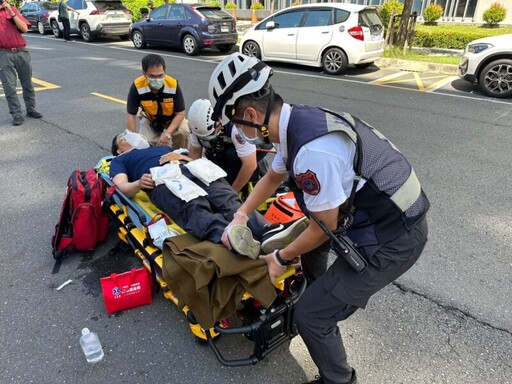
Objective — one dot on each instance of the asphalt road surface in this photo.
(448, 320)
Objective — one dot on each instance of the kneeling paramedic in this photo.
(162, 105)
(350, 179)
(223, 145)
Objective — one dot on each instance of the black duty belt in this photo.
(14, 50)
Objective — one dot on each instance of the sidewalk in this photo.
(399, 64)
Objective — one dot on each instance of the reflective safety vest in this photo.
(391, 199)
(157, 107)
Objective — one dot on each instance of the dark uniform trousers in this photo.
(340, 291)
(205, 217)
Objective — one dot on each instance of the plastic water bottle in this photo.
(91, 346)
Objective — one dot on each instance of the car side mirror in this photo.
(270, 25)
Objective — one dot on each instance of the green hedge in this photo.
(452, 36)
(136, 5)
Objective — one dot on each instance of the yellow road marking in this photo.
(43, 85)
(419, 83)
(386, 79)
(109, 98)
(398, 78)
(39, 85)
(440, 83)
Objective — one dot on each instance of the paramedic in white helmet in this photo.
(350, 179)
(223, 145)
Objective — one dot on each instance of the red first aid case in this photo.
(127, 290)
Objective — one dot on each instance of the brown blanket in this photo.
(211, 280)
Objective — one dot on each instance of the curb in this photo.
(417, 66)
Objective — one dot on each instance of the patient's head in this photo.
(127, 141)
(120, 144)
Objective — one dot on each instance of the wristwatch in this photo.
(283, 262)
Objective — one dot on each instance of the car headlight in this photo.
(477, 48)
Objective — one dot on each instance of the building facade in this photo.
(455, 11)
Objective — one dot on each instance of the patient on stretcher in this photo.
(205, 216)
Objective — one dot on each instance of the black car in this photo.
(37, 13)
(190, 26)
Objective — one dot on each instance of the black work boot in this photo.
(17, 120)
(319, 380)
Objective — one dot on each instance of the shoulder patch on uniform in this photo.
(239, 138)
(308, 182)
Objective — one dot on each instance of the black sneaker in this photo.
(34, 114)
(17, 120)
(319, 380)
(278, 236)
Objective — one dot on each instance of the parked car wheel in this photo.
(334, 61)
(225, 48)
(252, 49)
(363, 65)
(496, 78)
(40, 28)
(138, 40)
(85, 30)
(189, 44)
(55, 29)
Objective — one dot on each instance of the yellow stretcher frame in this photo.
(268, 331)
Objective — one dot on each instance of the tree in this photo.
(404, 27)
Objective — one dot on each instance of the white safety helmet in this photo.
(200, 119)
(235, 76)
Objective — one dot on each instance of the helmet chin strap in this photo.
(263, 128)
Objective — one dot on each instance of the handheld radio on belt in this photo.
(343, 247)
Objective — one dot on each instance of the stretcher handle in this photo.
(262, 347)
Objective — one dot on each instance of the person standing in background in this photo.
(15, 62)
(64, 19)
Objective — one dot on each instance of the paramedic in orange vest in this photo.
(158, 95)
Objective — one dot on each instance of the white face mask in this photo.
(254, 141)
(136, 140)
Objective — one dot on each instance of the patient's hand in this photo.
(146, 181)
(274, 268)
(171, 156)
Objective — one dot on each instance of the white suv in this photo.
(94, 18)
(328, 35)
(488, 62)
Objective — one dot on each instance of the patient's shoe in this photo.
(278, 236)
(241, 239)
